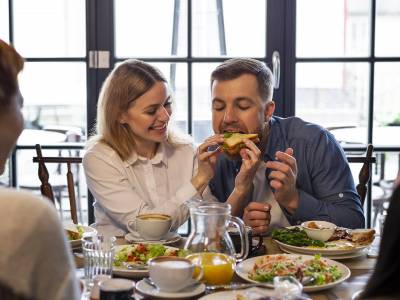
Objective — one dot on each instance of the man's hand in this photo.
(283, 179)
(257, 216)
(206, 161)
(251, 159)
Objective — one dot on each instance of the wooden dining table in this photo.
(361, 269)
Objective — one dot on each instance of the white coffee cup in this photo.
(172, 274)
(151, 226)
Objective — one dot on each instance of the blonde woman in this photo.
(135, 163)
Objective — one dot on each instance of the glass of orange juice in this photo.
(218, 267)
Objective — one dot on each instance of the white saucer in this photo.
(134, 237)
(148, 290)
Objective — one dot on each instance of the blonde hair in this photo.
(125, 84)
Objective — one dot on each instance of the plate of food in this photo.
(245, 294)
(75, 232)
(131, 260)
(343, 241)
(321, 273)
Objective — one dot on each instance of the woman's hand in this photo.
(206, 161)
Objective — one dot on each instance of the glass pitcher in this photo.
(210, 244)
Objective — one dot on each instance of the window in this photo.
(347, 78)
(339, 67)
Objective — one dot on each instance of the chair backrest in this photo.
(45, 186)
(365, 173)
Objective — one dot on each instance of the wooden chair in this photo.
(365, 173)
(46, 188)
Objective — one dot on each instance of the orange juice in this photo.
(218, 268)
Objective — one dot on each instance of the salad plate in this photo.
(291, 263)
(79, 232)
(138, 255)
(250, 293)
(294, 239)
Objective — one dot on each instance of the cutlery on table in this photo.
(136, 266)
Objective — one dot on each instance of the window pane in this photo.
(387, 23)
(145, 28)
(202, 127)
(240, 21)
(176, 75)
(54, 94)
(48, 28)
(4, 21)
(387, 104)
(333, 28)
(336, 99)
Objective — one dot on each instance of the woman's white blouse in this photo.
(125, 189)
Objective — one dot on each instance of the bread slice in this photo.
(362, 236)
(233, 141)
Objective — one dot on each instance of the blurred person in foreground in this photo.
(297, 172)
(35, 259)
(136, 163)
(384, 282)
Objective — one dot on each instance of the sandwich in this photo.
(233, 142)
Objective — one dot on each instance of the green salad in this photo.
(281, 265)
(141, 253)
(296, 237)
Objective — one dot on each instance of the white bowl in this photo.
(319, 230)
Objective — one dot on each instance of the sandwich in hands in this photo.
(233, 141)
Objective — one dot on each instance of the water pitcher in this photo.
(210, 221)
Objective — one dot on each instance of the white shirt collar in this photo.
(160, 157)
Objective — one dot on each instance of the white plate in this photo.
(133, 237)
(232, 295)
(243, 269)
(87, 231)
(124, 272)
(148, 290)
(322, 251)
(333, 256)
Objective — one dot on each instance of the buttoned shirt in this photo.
(125, 189)
(324, 181)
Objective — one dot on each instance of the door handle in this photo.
(276, 68)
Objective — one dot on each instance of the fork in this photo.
(136, 266)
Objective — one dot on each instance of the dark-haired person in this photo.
(297, 172)
(137, 163)
(384, 282)
(35, 260)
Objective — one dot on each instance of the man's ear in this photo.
(269, 110)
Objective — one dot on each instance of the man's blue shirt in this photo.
(324, 181)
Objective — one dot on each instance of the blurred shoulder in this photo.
(22, 200)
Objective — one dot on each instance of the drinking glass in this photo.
(98, 253)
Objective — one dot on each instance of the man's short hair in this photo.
(235, 67)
